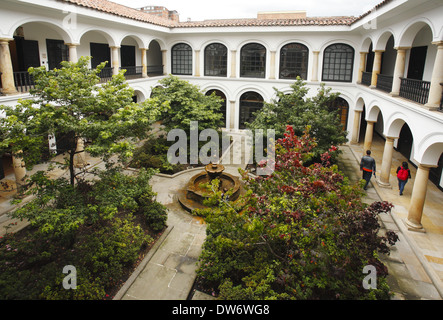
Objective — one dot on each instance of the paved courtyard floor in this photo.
(168, 271)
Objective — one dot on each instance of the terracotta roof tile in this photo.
(310, 21)
(123, 11)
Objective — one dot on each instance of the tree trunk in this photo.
(71, 166)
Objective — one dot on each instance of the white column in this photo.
(164, 61)
(356, 126)
(362, 66)
(387, 163)
(368, 136)
(399, 70)
(272, 66)
(144, 62)
(19, 171)
(437, 78)
(80, 155)
(418, 198)
(73, 57)
(6, 68)
(197, 63)
(376, 68)
(115, 57)
(233, 64)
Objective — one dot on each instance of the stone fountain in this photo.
(193, 195)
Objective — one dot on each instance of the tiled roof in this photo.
(378, 6)
(310, 21)
(123, 11)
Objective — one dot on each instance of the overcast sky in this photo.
(198, 10)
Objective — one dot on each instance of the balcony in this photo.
(133, 72)
(415, 90)
(23, 81)
(384, 83)
(366, 78)
(105, 75)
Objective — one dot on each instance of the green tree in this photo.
(187, 103)
(70, 102)
(299, 111)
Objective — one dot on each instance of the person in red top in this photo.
(403, 174)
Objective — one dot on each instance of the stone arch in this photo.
(160, 42)
(112, 42)
(372, 112)
(394, 124)
(366, 44)
(66, 35)
(138, 40)
(359, 104)
(224, 105)
(249, 102)
(382, 40)
(408, 34)
(140, 94)
(429, 150)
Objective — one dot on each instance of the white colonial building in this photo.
(387, 64)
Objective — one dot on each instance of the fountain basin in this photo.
(193, 195)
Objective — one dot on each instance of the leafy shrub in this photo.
(153, 154)
(107, 252)
(299, 233)
(103, 246)
(154, 212)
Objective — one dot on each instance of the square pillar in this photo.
(315, 66)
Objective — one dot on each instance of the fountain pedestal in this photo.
(193, 195)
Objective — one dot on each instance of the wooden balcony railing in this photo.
(366, 78)
(415, 90)
(133, 72)
(384, 83)
(106, 74)
(23, 81)
(155, 70)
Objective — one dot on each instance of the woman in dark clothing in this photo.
(403, 174)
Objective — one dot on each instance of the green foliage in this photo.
(299, 233)
(187, 103)
(92, 226)
(70, 102)
(153, 154)
(299, 111)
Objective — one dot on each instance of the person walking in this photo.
(367, 165)
(403, 174)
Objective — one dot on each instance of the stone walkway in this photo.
(409, 276)
(168, 271)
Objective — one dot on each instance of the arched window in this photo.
(253, 61)
(250, 102)
(182, 59)
(342, 107)
(294, 61)
(220, 94)
(338, 62)
(216, 60)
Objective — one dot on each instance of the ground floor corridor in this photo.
(427, 244)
